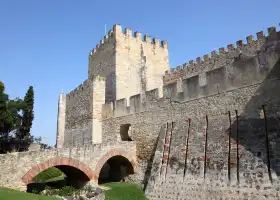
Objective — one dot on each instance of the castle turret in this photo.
(98, 99)
(61, 121)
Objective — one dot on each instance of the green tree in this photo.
(23, 134)
(5, 115)
(9, 112)
(10, 118)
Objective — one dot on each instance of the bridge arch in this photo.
(118, 154)
(61, 163)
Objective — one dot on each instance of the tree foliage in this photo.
(28, 114)
(16, 117)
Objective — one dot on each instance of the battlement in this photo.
(247, 66)
(117, 30)
(86, 86)
(218, 58)
(108, 39)
(132, 105)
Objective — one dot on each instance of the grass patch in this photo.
(116, 191)
(123, 191)
(48, 175)
(9, 194)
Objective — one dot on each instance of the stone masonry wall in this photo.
(224, 57)
(140, 63)
(102, 61)
(244, 84)
(129, 62)
(83, 113)
(18, 169)
(61, 121)
(221, 167)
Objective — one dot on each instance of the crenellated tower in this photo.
(131, 63)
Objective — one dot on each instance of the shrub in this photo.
(64, 191)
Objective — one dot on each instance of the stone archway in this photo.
(113, 154)
(57, 161)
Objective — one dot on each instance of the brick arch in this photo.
(110, 154)
(27, 178)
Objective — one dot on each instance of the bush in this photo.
(64, 191)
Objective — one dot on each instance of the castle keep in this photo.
(121, 66)
(208, 129)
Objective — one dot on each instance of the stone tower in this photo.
(131, 63)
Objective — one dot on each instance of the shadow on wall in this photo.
(232, 143)
(254, 132)
(257, 127)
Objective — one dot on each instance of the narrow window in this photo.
(125, 132)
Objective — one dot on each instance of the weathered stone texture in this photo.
(18, 169)
(244, 85)
(140, 64)
(102, 61)
(83, 113)
(225, 108)
(60, 121)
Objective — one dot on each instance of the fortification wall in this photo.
(211, 165)
(83, 107)
(140, 62)
(219, 58)
(243, 85)
(102, 61)
(243, 68)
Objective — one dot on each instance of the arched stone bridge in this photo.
(84, 163)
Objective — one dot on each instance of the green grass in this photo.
(8, 194)
(48, 174)
(123, 191)
(117, 191)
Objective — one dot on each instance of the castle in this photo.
(208, 129)
(122, 66)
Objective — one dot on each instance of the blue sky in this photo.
(46, 43)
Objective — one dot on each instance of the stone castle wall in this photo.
(219, 59)
(130, 64)
(228, 70)
(140, 62)
(102, 61)
(83, 113)
(244, 84)
(226, 152)
(228, 159)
